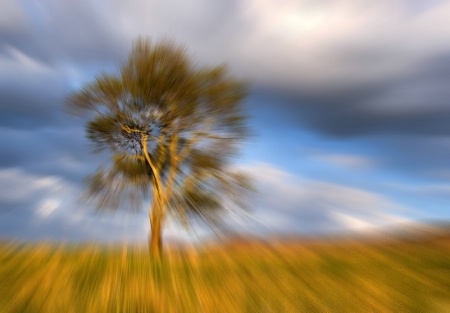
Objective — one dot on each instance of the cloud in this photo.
(12, 20)
(352, 68)
(432, 190)
(39, 207)
(55, 151)
(290, 204)
(350, 161)
(285, 204)
(19, 186)
(48, 207)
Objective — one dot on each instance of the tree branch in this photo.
(156, 174)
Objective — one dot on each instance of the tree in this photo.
(171, 129)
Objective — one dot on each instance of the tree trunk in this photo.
(156, 216)
(155, 237)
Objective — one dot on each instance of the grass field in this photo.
(289, 276)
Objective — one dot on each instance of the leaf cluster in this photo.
(189, 119)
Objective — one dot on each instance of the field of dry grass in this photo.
(288, 276)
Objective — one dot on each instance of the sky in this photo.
(349, 107)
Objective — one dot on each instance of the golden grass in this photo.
(313, 276)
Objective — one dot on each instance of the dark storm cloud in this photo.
(56, 32)
(415, 144)
(417, 104)
(353, 68)
(49, 151)
(34, 101)
(404, 118)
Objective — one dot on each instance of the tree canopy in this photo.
(172, 129)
